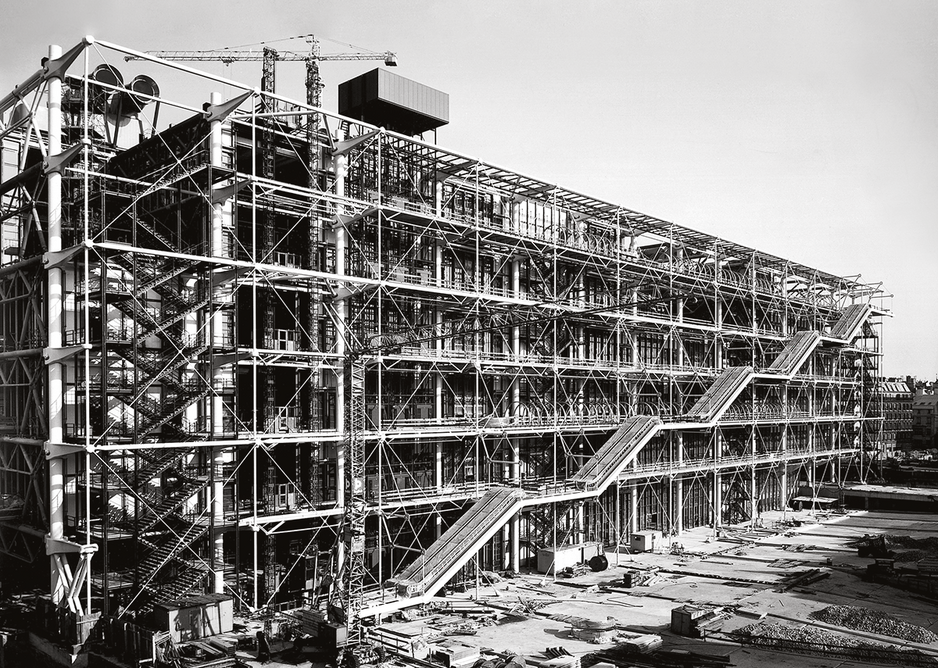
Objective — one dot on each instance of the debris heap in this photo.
(821, 642)
(872, 621)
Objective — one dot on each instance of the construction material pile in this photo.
(817, 641)
(808, 635)
(574, 571)
(658, 658)
(901, 548)
(635, 577)
(871, 621)
(913, 549)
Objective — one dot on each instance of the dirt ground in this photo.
(741, 572)
(744, 573)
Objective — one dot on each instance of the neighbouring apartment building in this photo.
(924, 423)
(895, 399)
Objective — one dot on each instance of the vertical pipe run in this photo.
(717, 481)
(341, 171)
(633, 509)
(56, 395)
(86, 279)
(438, 344)
(217, 413)
(679, 482)
(514, 410)
(753, 487)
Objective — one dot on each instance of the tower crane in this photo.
(270, 56)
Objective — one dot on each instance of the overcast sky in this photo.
(807, 130)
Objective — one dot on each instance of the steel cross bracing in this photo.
(350, 595)
(170, 248)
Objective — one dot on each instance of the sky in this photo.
(807, 130)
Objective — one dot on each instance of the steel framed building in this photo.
(186, 275)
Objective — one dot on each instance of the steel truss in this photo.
(217, 271)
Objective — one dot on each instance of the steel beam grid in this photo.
(447, 422)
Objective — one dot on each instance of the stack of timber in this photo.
(620, 657)
(689, 620)
(639, 577)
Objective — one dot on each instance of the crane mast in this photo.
(270, 56)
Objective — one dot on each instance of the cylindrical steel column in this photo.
(56, 283)
(341, 171)
(633, 510)
(717, 496)
(514, 410)
(217, 332)
(438, 320)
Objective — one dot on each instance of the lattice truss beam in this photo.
(224, 257)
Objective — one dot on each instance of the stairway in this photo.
(151, 517)
(430, 571)
(796, 353)
(157, 365)
(718, 397)
(186, 574)
(621, 448)
(172, 544)
(190, 579)
(159, 394)
(848, 326)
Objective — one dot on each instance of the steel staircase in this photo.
(795, 354)
(442, 559)
(158, 365)
(718, 397)
(170, 568)
(851, 321)
(165, 536)
(621, 448)
(431, 570)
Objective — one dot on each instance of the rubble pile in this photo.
(929, 545)
(905, 548)
(816, 641)
(913, 549)
(871, 621)
(808, 635)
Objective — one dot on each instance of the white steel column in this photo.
(438, 345)
(438, 483)
(341, 171)
(633, 509)
(783, 448)
(56, 280)
(513, 411)
(753, 487)
(812, 443)
(717, 480)
(217, 333)
(679, 483)
(341, 308)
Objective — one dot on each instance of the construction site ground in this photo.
(747, 571)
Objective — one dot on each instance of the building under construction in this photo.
(256, 348)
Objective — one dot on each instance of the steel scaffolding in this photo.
(185, 276)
